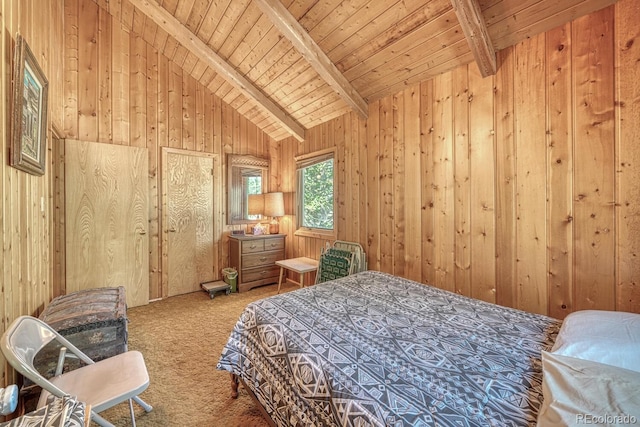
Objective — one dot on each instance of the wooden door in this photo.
(188, 221)
(106, 218)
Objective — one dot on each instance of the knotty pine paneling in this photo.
(531, 188)
(505, 183)
(121, 90)
(412, 191)
(627, 162)
(372, 222)
(520, 188)
(559, 170)
(443, 164)
(26, 200)
(594, 161)
(462, 188)
(482, 187)
(427, 219)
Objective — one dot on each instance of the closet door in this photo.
(188, 221)
(106, 218)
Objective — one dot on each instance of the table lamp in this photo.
(274, 207)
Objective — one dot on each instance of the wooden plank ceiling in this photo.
(305, 62)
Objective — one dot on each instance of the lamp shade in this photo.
(274, 204)
(256, 204)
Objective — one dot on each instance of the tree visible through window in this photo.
(315, 186)
(252, 184)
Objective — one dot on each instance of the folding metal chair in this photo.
(100, 384)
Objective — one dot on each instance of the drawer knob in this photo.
(252, 246)
(263, 258)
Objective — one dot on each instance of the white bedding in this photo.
(610, 337)
(592, 374)
(582, 392)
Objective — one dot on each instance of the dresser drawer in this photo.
(265, 258)
(274, 244)
(260, 273)
(252, 246)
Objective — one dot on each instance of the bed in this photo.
(376, 349)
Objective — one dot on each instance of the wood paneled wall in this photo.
(119, 90)
(25, 220)
(520, 189)
(108, 86)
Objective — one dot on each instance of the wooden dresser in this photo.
(254, 257)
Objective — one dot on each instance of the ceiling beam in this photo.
(191, 42)
(309, 49)
(475, 30)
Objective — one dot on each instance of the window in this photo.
(316, 201)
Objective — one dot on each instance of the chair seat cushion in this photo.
(124, 375)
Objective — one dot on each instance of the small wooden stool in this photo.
(213, 287)
(300, 265)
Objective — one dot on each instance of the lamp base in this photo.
(274, 227)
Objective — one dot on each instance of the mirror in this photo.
(245, 175)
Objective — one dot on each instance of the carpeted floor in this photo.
(181, 339)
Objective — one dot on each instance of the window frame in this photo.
(306, 160)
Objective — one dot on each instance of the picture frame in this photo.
(29, 111)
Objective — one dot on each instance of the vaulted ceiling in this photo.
(289, 65)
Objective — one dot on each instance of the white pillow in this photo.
(581, 392)
(611, 337)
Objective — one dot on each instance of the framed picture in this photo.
(29, 113)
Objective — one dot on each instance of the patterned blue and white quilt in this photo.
(373, 349)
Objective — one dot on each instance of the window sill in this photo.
(316, 233)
